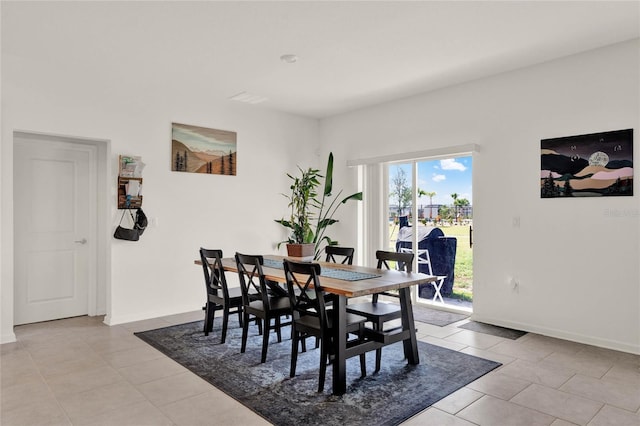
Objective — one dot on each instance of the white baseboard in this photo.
(560, 334)
(140, 316)
(8, 338)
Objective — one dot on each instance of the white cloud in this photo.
(451, 164)
(438, 178)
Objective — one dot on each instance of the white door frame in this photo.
(99, 298)
(374, 171)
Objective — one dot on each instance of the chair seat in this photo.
(378, 311)
(353, 320)
(235, 298)
(277, 304)
(313, 322)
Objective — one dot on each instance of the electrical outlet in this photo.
(514, 283)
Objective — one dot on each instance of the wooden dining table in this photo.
(370, 281)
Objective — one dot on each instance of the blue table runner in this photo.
(339, 274)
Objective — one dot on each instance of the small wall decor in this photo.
(593, 165)
(130, 166)
(130, 182)
(130, 197)
(201, 150)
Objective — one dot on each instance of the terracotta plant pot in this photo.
(301, 250)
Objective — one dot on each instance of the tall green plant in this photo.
(310, 216)
(302, 200)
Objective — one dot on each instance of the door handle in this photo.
(82, 241)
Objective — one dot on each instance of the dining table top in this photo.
(378, 280)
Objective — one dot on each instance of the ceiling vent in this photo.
(248, 98)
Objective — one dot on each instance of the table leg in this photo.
(340, 345)
(410, 344)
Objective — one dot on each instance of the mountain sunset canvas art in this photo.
(593, 165)
(201, 150)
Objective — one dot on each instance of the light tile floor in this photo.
(79, 371)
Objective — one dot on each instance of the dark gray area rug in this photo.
(388, 397)
(493, 330)
(436, 317)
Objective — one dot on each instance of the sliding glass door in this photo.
(429, 211)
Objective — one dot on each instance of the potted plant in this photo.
(302, 201)
(310, 215)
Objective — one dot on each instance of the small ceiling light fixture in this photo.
(289, 59)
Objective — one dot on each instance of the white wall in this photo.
(578, 266)
(576, 261)
(155, 276)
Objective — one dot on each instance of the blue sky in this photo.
(444, 177)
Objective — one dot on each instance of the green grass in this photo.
(463, 279)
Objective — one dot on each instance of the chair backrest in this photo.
(214, 277)
(423, 258)
(252, 280)
(404, 261)
(344, 253)
(305, 291)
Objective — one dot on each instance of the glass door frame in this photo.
(373, 172)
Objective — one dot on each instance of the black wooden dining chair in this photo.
(380, 312)
(312, 318)
(267, 307)
(337, 254)
(402, 263)
(219, 296)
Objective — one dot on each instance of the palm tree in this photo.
(455, 206)
(462, 202)
(430, 195)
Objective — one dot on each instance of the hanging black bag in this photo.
(122, 233)
(141, 222)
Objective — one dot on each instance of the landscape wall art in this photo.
(201, 150)
(593, 165)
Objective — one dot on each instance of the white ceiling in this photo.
(351, 54)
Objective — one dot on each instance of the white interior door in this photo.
(55, 229)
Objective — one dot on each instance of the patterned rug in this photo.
(388, 397)
(436, 317)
